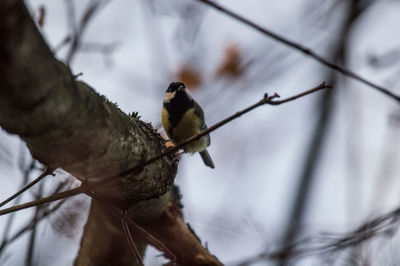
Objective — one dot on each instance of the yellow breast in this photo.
(188, 126)
(165, 121)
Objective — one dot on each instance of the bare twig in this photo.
(387, 59)
(33, 235)
(104, 48)
(26, 173)
(51, 198)
(91, 186)
(89, 13)
(129, 221)
(128, 236)
(63, 42)
(29, 226)
(266, 100)
(307, 51)
(49, 171)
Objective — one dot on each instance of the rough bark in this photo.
(66, 123)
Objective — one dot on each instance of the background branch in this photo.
(26, 170)
(381, 226)
(43, 213)
(78, 30)
(301, 48)
(49, 171)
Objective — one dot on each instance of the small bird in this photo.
(182, 117)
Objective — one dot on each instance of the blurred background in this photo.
(325, 163)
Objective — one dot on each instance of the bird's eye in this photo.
(181, 88)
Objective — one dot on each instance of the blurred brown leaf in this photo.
(42, 15)
(231, 64)
(190, 76)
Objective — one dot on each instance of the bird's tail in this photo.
(207, 159)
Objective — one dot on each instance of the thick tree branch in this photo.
(297, 46)
(66, 123)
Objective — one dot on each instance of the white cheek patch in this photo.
(168, 96)
(188, 94)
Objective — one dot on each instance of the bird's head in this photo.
(176, 86)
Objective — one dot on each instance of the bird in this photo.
(182, 117)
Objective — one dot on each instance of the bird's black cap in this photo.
(174, 86)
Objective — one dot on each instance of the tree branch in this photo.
(297, 46)
(127, 221)
(26, 171)
(29, 226)
(384, 225)
(53, 197)
(48, 171)
(91, 10)
(131, 242)
(35, 220)
(88, 187)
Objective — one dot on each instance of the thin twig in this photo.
(91, 186)
(266, 100)
(301, 48)
(60, 45)
(33, 235)
(128, 235)
(105, 48)
(384, 225)
(49, 171)
(29, 226)
(89, 13)
(156, 243)
(26, 174)
(51, 198)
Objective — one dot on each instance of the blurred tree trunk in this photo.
(66, 123)
(326, 107)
